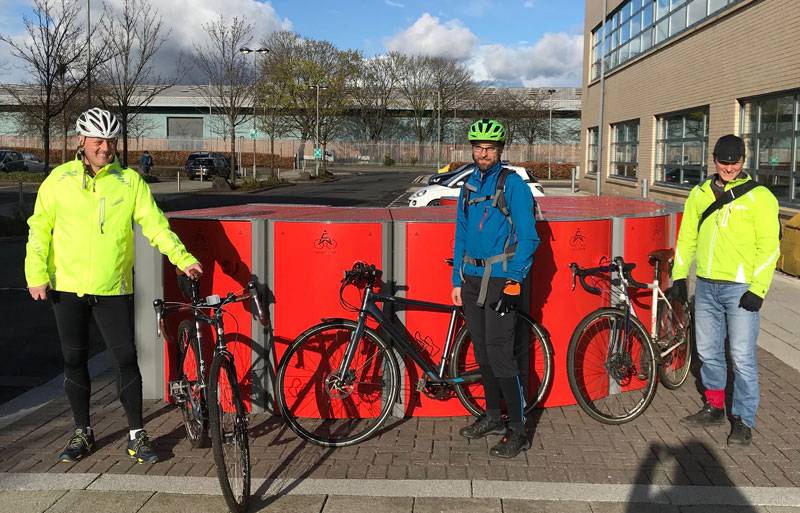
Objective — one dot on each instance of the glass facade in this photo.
(682, 144)
(771, 130)
(637, 25)
(593, 141)
(625, 149)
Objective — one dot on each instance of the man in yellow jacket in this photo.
(736, 246)
(80, 255)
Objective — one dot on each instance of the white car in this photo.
(448, 185)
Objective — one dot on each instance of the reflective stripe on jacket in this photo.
(739, 242)
(81, 232)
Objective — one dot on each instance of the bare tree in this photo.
(377, 84)
(138, 126)
(53, 53)
(296, 67)
(430, 85)
(271, 122)
(127, 80)
(230, 87)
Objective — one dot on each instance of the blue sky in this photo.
(513, 42)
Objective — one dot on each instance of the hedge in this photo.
(539, 169)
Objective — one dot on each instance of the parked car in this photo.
(33, 163)
(448, 185)
(207, 164)
(11, 160)
(208, 167)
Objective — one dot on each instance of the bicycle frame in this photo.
(369, 308)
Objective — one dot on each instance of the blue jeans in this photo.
(717, 314)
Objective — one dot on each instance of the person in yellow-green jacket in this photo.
(80, 255)
(736, 247)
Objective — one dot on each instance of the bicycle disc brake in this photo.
(340, 387)
(619, 367)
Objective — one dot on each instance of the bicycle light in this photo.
(213, 300)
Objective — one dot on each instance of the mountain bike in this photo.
(338, 381)
(211, 403)
(612, 359)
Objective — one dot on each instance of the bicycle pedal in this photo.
(179, 390)
(421, 385)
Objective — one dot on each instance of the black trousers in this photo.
(114, 318)
(498, 349)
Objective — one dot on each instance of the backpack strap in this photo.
(727, 197)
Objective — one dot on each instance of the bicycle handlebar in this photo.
(617, 264)
(362, 274)
(197, 303)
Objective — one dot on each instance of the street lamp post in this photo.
(244, 50)
(316, 137)
(550, 133)
(438, 130)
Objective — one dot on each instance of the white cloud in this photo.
(429, 36)
(555, 60)
(184, 20)
(394, 4)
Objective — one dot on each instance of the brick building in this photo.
(671, 76)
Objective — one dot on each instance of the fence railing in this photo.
(401, 152)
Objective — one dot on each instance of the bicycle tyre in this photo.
(195, 409)
(592, 388)
(328, 416)
(673, 369)
(228, 431)
(462, 363)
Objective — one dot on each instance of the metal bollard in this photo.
(645, 188)
(572, 180)
(179, 181)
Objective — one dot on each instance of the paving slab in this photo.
(45, 481)
(180, 503)
(88, 501)
(355, 504)
(28, 501)
(523, 506)
(437, 505)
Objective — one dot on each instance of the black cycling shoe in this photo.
(142, 449)
(740, 433)
(482, 427)
(707, 416)
(80, 444)
(511, 445)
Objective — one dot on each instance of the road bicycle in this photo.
(338, 381)
(211, 403)
(612, 359)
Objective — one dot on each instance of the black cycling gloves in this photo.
(751, 302)
(678, 291)
(509, 300)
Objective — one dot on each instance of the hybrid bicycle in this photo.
(338, 381)
(211, 403)
(612, 359)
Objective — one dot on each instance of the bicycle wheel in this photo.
(228, 430)
(611, 369)
(676, 335)
(534, 355)
(194, 407)
(325, 407)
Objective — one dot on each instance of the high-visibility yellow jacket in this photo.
(740, 242)
(81, 232)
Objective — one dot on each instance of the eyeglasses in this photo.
(484, 149)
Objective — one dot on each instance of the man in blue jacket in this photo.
(495, 240)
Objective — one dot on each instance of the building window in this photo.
(593, 142)
(636, 25)
(682, 148)
(771, 129)
(625, 149)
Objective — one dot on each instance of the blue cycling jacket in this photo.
(483, 230)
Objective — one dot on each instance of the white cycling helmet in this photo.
(98, 123)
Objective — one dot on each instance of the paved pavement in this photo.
(422, 464)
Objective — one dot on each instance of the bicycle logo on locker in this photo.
(338, 381)
(211, 402)
(612, 359)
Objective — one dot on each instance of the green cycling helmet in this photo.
(487, 130)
